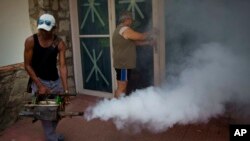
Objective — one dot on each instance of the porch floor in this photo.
(78, 129)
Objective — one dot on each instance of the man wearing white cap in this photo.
(40, 61)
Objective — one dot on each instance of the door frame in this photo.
(158, 53)
(158, 16)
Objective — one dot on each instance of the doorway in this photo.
(93, 22)
(142, 75)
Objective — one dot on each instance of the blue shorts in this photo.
(123, 74)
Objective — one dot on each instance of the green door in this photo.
(95, 45)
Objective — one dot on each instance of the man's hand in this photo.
(154, 31)
(67, 99)
(153, 43)
(153, 37)
(43, 90)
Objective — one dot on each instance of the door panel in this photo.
(93, 17)
(95, 45)
(95, 58)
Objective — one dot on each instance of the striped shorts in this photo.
(123, 74)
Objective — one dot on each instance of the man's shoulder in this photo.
(30, 38)
(29, 42)
(58, 41)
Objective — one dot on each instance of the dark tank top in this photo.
(44, 60)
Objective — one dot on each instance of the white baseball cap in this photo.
(46, 22)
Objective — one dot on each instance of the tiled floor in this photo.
(78, 129)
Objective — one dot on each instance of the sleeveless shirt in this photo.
(124, 51)
(44, 60)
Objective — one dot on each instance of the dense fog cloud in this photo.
(208, 66)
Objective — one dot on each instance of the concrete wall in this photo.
(13, 82)
(14, 25)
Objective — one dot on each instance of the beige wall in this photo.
(14, 27)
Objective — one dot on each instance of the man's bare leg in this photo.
(121, 88)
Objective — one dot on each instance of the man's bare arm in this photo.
(62, 65)
(133, 35)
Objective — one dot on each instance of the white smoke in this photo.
(215, 76)
(207, 76)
